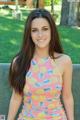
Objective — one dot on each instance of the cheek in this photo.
(48, 35)
(33, 36)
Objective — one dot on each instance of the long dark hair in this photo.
(21, 63)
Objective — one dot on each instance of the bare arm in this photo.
(15, 103)
(67, 89)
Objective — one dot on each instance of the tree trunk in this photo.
(72, 14)
(37, 3)
(40, 4)
(78, 14)
(64, 12)
(52, 6)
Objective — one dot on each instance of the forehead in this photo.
(39, 22)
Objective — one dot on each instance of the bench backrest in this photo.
(5, 90)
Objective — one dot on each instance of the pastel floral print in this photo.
(42, 92)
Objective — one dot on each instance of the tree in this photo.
(78, 14)
(64, 12)
(70, 13)
(37, 4)
(52, 6)
(40, 4)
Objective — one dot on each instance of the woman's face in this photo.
(40, 32)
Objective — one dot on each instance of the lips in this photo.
(40, 40)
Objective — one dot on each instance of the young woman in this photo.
(40, 73)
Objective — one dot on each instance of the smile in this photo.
(40, 40)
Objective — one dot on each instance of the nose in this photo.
(40, 33)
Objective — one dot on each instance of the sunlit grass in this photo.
(11, 34)
(70, 38)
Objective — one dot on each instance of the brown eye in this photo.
(34, 30)
(45, 29)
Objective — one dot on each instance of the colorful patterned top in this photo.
(42, 92)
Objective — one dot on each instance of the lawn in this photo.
(11, 34)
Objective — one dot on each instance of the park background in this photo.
(13, 14)
(67, 17)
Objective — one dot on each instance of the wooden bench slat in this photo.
(7, 3)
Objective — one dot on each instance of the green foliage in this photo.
(47, 2)
(56, 1)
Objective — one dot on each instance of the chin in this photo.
(42, 46)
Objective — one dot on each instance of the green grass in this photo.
(11, 33)
(70, 38)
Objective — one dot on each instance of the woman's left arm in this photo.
(67, 89)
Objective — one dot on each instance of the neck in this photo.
(41, 53)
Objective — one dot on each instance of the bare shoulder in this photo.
(63, 57)
(66, 59)
(63, 61)
(66, 62)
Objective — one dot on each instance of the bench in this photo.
(7, 3)
(5, 91)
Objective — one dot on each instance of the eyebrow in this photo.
(42, 27)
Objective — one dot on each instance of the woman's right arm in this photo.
(15, 102)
